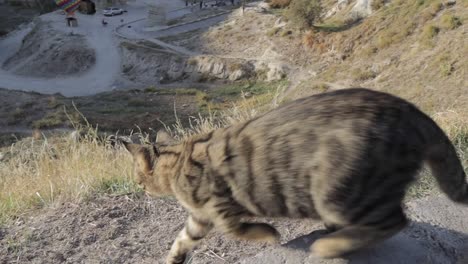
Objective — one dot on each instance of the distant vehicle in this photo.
(112, 11)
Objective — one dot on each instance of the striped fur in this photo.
(344, 157)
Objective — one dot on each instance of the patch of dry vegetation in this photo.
(279, 3)
(304, 13)
(401, 49)
(456, 126)
(392, 24)
(47, 172)
(449, 22)
(51, 171)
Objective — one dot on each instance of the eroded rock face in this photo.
(149, 67)
(235, 69)
(362, 8)
(338, 6)
(276, 71)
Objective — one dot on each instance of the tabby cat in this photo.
(345, 157)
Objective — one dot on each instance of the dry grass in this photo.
(279, 3)
(456, 126)
(363, 74)
(304, 13)
(45, 172)
(429, 32)
(314, 41)
(393, 23)
(377, 4)
(273, 31)
(51, 171)
(240, 111)
(449, 22)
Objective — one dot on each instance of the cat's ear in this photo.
(132, 148)
(142, 156)
(164, 138)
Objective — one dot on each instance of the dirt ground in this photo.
(119, 229)
(139, 229)
(21, 112)
(436, 235)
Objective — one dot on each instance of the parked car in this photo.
(112, 11)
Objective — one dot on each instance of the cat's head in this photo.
(152, 170)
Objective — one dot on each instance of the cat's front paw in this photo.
(176, 259)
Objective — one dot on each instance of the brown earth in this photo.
(138, 229)
(119, 229)
(123, 111)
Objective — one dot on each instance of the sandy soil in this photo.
(111, 229)
(437, 234)
(138, 229)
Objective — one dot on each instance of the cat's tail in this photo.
(446, 166)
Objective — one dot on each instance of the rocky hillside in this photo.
(47, 53)
(397, 46)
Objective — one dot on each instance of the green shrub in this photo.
(450, 21)
(429, 32)
(377, 4)
(285, 33)
(363, 75)
(51, 120)
(279, 3)
(151, 89)
(304, 12)
(436, 7)
(273, 31)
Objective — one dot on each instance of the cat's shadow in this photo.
(419, 243)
